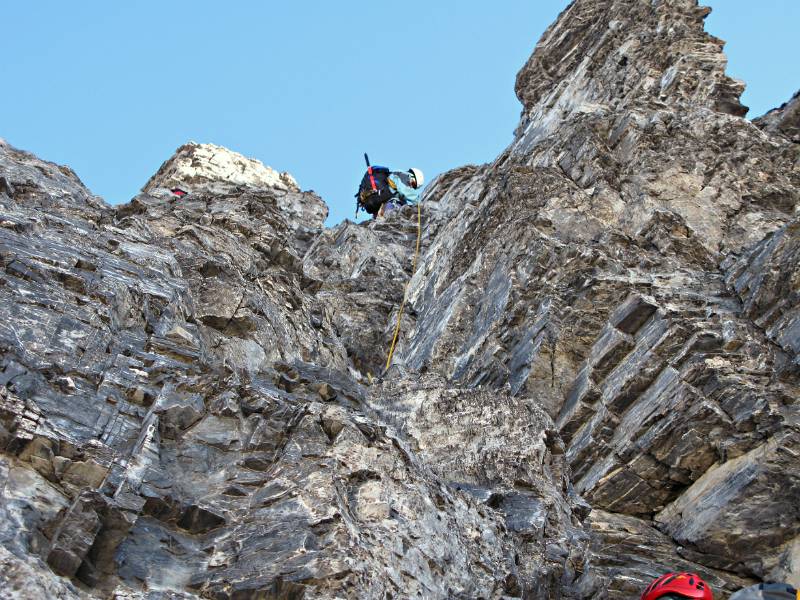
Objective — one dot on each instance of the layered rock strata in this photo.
(596, 381)
(610, 264)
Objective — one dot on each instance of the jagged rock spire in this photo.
(629, 99)
(606, 55)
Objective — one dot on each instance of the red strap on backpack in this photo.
(372, 180)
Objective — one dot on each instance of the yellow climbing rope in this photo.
(405, 290)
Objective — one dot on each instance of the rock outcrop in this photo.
(783, 120)
(208, 166)
(597, 379)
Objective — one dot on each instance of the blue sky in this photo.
(112, 89)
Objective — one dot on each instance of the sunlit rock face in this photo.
(207, 165)
(596, 378)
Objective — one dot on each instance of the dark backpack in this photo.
(375, 189)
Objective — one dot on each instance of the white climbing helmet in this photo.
(418, 176)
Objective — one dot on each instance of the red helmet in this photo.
(678, 585)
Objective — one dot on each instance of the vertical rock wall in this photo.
(627, 264)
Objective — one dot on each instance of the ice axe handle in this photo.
(358, 205)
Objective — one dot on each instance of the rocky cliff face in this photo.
(596, 381)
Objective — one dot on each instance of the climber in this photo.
(678, 586)
(767, 591)
(406, 186)
(382, 191)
